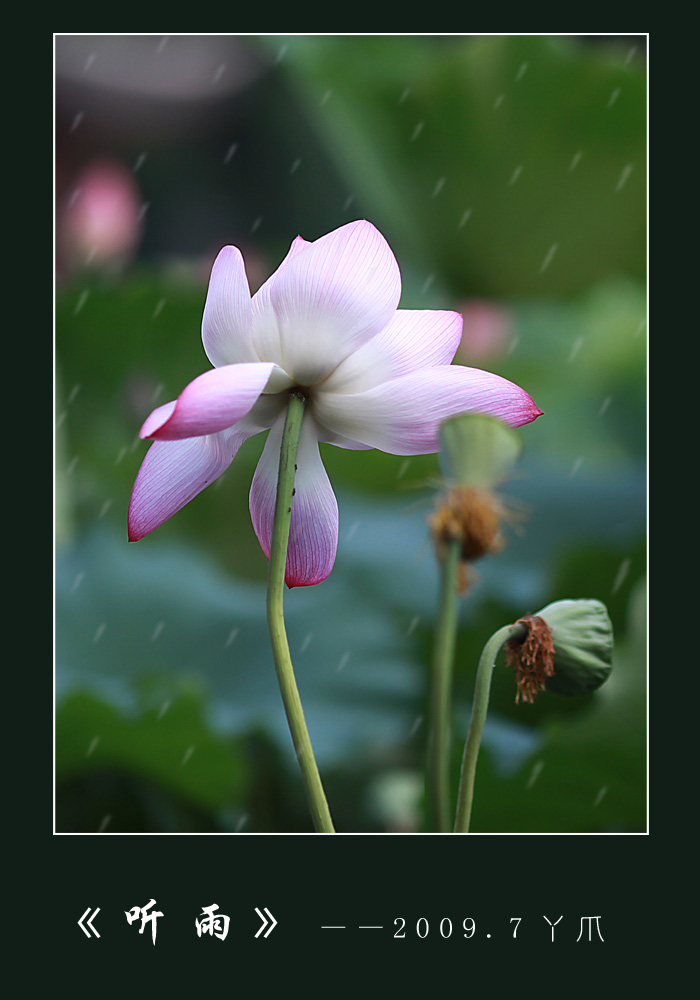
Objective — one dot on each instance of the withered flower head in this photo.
(567, 649)
(477, 453)
(472, 517)
(532, 658)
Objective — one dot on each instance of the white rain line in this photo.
(548, 259)
(157, 630)
(516, 173)
(624, 176)
(577, 345)
(428, 282)
(576, 160)
(536, 772)
(621, 574)
(416, 725)
(82, 299)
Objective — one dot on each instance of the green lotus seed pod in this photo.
(582, 635)
(477, 450)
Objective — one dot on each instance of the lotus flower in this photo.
(376, 376)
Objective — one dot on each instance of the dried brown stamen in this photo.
(471, 517)
(532, 658)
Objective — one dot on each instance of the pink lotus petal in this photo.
(413, 339)
(332, 296)
(174, 472)
(226, 322)
(403, 417)
(313, 536)
(265, 330)
(213, 401)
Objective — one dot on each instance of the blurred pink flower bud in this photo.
(487, 330)
(100, 222)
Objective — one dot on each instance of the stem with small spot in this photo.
(275, 616)
(480, 706)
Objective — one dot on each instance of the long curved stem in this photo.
(440, 694)
(275, 616)
(480, 706)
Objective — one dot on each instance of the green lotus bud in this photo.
(567, 648)
(477, 450)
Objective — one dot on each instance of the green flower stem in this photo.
(480, 707)
(440, 694)
(275, 616)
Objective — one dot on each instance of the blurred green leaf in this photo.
(522, 158)
(170, 744)
(127, 612)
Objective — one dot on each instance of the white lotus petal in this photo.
(413, 339)
(403, 416)
(226, 322)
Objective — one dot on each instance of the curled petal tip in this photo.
(156, 420)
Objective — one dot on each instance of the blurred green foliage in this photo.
(168, 714)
